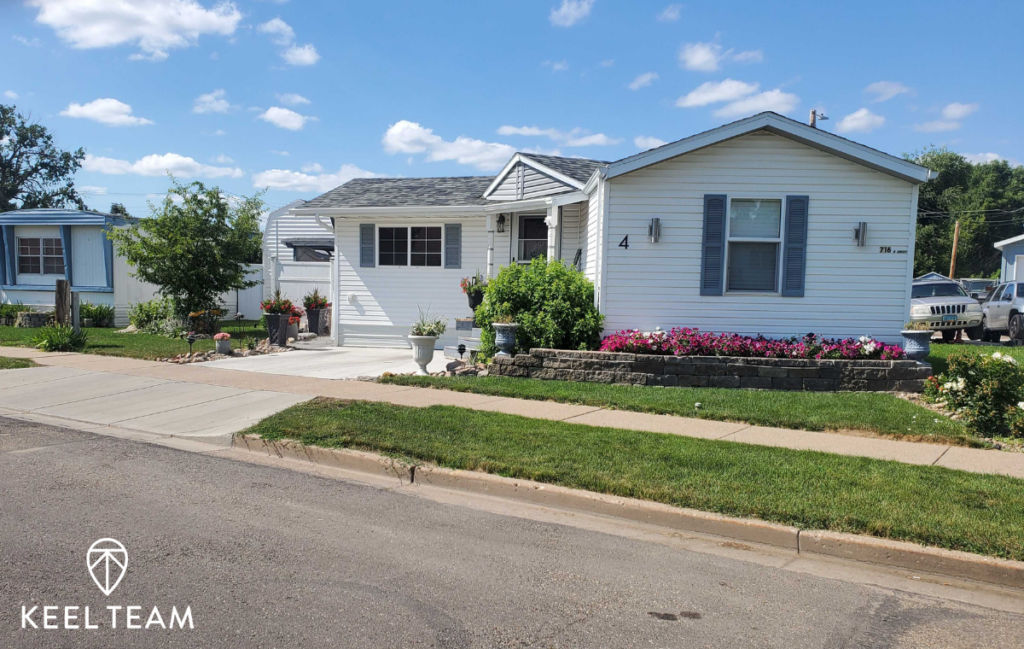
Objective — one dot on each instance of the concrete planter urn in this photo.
(223, 347)
(917, 344)
(423, 352)
(277, 328)
(505, 337)
(293, 331)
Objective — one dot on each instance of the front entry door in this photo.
(533, 238)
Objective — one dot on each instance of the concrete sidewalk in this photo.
(274, 388)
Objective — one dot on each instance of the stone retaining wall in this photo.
(716, 371)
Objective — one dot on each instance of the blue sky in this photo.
(301, 96)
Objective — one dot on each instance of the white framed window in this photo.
(753, 245)
(40, 256)
(533, 237)
(420, 246)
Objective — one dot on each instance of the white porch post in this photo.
(552, 222)
(336, 288)
(490, 246)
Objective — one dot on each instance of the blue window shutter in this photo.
(108, 256)
(453, 245)
(713, 245)
(794, 250)
(366, 245)
(65, 244)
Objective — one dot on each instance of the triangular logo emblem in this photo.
(107, 561)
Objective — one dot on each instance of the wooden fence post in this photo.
(62, 303)
(76, 321)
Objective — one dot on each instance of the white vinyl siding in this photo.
(88, 265)
(523, 181)
(570, 223)
(294, 278)
(849, 290)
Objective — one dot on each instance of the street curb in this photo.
(911, 556)
(898, 554)
(349, 459)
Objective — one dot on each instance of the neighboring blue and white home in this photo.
(40, 246)
(750, 228)
(1011, 269)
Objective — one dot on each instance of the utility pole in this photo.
(956, 240)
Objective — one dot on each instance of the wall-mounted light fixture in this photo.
(860, 234)
(501, 223)
(654, 230)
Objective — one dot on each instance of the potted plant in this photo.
(223, 343)
(315, 305)
(293, 322)
(505, 334)
(277, 311)
(917, 337)
(474, 287)
(423, 336)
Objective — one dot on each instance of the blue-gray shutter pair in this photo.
(452, 245)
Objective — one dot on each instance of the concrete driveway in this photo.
(332, 362)
(91, 399)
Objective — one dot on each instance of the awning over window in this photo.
(325, 244)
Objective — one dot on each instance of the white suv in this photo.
(1003, 312)
(945, 307)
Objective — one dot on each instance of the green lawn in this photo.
(883, 414)
(15, 363)
(939, 353)
(108, 342)
(811, 490)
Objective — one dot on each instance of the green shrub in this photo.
(143, 314)
(9, 312)
(59, 338)
(552, 302)
(102, 315)
(987, 392)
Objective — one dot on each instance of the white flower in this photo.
(697, 405)
(1020, 404)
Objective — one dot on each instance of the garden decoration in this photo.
(423, 337)
(223, 343)
(278, 311)
(474, 288)
(316, 306)
(917, 340)
(191, 340)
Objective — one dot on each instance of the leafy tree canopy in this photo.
(33, 171)
(195, 246)
(987, 199)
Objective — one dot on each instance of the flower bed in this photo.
(691, 342)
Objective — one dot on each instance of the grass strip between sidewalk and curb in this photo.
(879, 413)
(7, 363)
(806, 489)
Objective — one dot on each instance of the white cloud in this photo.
(10, 94)
(279, 31)
(212, 102)
(644, 142)
(5, 140)
(570, 12)
(105, 111)
(750, 56)
(158, 165)
(860, 121)
(285, 118)
(557, 66)
(575, 137)
(301, 55)
(219, 132)
(773, 100)
(292, 99)
(33, 42)
(92, 190)
(713, 92)
(958, 111)
(981, 158)
(410, 137)
(670, 13)
(937, 126)
(886, 90)
(607, 63)
(223, 159)
(280, 153)
(294, 181)
(154, 26)
(312, 168)
(703, 57)
(644, 80)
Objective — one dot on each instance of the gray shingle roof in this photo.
(579, 169)
(405, 192)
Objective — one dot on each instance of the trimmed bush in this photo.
(986, 392)
(552, 302)
(144, 314)
(59, 338)
(102, 315)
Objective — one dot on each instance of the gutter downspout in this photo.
(490, 246)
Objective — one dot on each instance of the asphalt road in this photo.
(268, 557)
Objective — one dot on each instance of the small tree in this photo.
(195, 246)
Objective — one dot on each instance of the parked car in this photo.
(978, 288)
(946, 308)
(1003, 312)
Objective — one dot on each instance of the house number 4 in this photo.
(625, 242)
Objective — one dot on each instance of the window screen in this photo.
(394, 247)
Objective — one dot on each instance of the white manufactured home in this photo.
(762, 226)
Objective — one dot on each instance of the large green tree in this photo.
(195, 245)
(987, 199)
(33, 171)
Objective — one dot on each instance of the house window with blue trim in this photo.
(40, 256)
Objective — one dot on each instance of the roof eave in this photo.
(399, 210)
